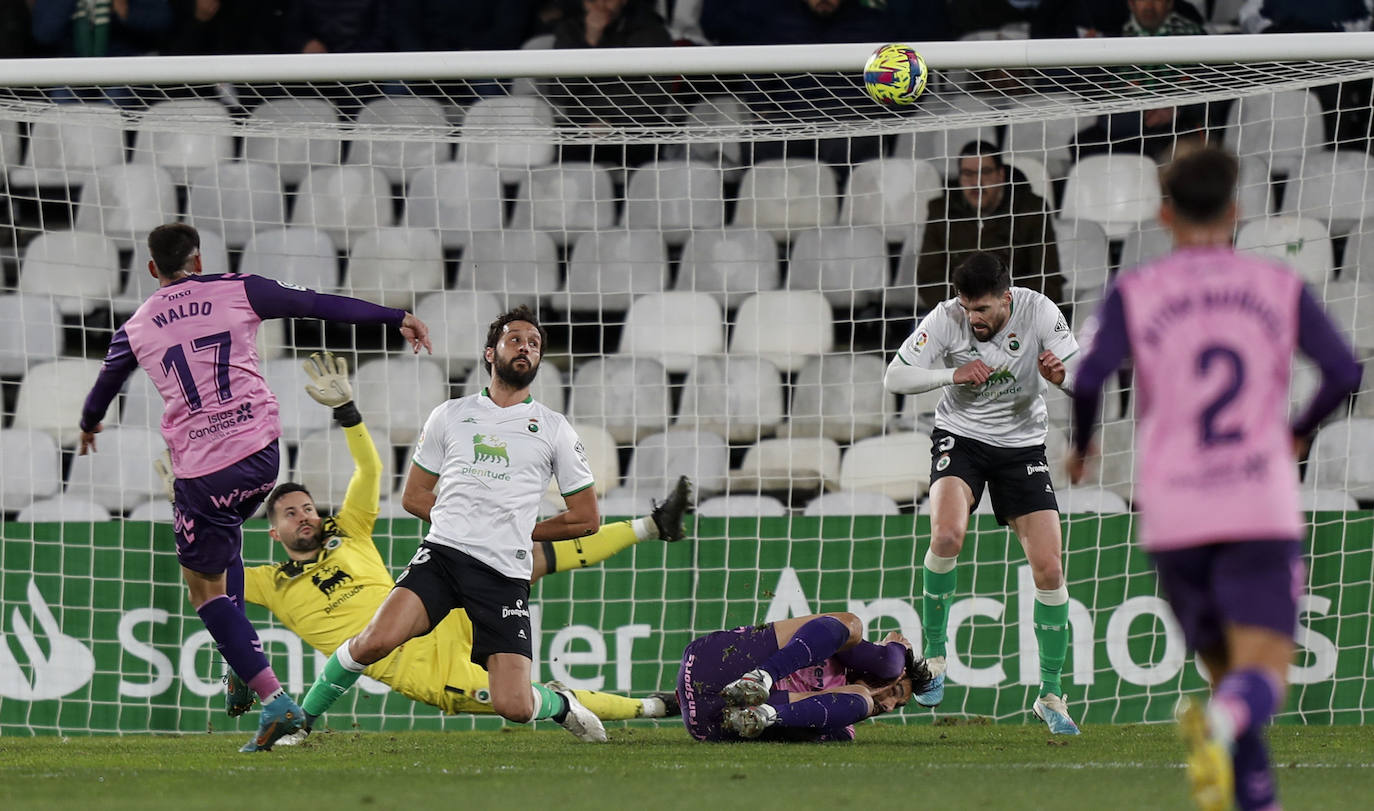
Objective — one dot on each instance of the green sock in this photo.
(1052, 634)
(332, 683)
(938, 587)
(551, 704)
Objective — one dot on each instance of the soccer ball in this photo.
(895, 75)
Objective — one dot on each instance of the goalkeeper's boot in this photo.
(672, 708)
(749, 722)
(280, 717)
(238, 696)
(299, 736)
(580, 721)
(1054, 712)
(935, 693)
(749, 690)
(1210, 772)
(668, 513)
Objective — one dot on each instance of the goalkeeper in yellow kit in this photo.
(335, 578)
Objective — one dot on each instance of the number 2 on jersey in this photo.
(174, 362)
(1218, 356)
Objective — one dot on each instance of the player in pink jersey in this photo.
(805, 679)
(196, 339)
(1211, 335)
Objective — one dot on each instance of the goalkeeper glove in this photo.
(329, 384)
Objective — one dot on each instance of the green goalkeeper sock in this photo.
(548, 704)
(331, 685)
(938, 582)
(1052, 634)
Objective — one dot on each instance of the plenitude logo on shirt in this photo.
(489, 451)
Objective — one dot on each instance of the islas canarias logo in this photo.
(54, 667)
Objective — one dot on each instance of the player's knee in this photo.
(946, 541)
(518, 708)
(371, 646)
(853, 624)
(1048, 574)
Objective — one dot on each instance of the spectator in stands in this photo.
(1151, 132)
(460, 25)
(987, 212)
(1045, 18)
(16, 29)
(1108, 18)
(225, 27)
(1291, 16)
(101, 27)
(337, 26)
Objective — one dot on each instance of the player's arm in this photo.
(1107, 350)
(329, 386)
(120, 362)
(914, 368)
(1058, 361)
(1319, 340)
(576, 484)
(418, 496)
(273, 299)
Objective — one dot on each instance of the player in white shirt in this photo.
(992, 348)
(480, 468)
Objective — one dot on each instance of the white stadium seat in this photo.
(235, 199)
(785, 326)
(1301, 242)
(300, 414)
(1090, 500)
(301, 256)
(1340, 458)
(458, 327)
(1334, 187)
(1084, 260)
(1046, 140)
(455, 199)
(602, 456)
(779, 465)
(1144, 245)
(892, 194)
(79, 271)
(183, 135)
(731, 264)
(626, 396)
(293, 155)
(392, 266)
(548, 387)
(126, 201)
(120, 475)
(32, 468)
(840, 396)
(608, 269)
(851, 502)
(30, 332)
(1119, 192)
(419, 125)
(673, 328)
(568, 201)
(1279, 128)
(782, 195)
(343, 201)
(51, 395)
(519, 266)
(739, 397)
(676, 198)
(1316, 499)
(61, 509)
(324, 465)
(513, 133)
(896, 465)
(396, 394)
(846, 265)
(739, 505)
(69, 143)
(659, 459)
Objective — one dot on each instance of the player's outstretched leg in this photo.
(1210, 774)
(1054, 711)
(577, 719)
(664, 522)
(280, 717)
(238, 696)
(667, 514)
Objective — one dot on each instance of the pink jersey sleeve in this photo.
(1212, 334)
(197, 341)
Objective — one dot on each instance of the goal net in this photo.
(726, 246)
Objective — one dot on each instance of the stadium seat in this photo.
(300, 415)
(139, 283)
(1084, 261)
(30, 332)
(918, 410)
(739, 397)
(724, 114)
(846, 265)
(1300, 242)
(1279, 128)
(902, 294)
(785, 326)
(1119, 192)
(458, 323)
(518, 266)
(126, 201)
(937, 141)
(624, 503)
(782, 465)
(1047, 140)
(396, 394)
(1037, 177)
(513, 133)
(61, 509)
(1340, 458)
(324, 465)
(567, 201)
(51, 395)
(271, 339)
(343, 201)
(892, 194)
(32, 468)
(783, 195)
(602, 455)
(455, 199)
(235, 199)
(1316, 499)
(392, 266)
(896, 465)
(68, 143)
(1056, 452)
(850, 502)
(547, 388)
(840, 396)
(293, 154)
(739, 505)
(1116, 463)
(1254, 191)
(523, 85)
(1090, 500)
(1351, 306)
(1334, 187)
(142, 404)
(11, 146)
(120, 475)
(676, 198)
(301, 256)
(673, 328)
(79, 271)
(1143, 245)
(659, 459)
(200, 138)
(158, 510)
(730, 264)
(420, 125)
(608, 269)
(626, 396)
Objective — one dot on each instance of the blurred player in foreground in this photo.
(196, 338)
(1211, 335)
(803, 679)
(335, 578)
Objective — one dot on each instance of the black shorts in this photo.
(499, 606)
(1017, 478)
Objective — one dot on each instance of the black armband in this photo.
(348, 415)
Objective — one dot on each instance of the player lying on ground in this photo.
(804, 679)
(195, 337)
(1211, 335)
(335, 578)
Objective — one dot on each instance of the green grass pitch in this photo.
(946, 766)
